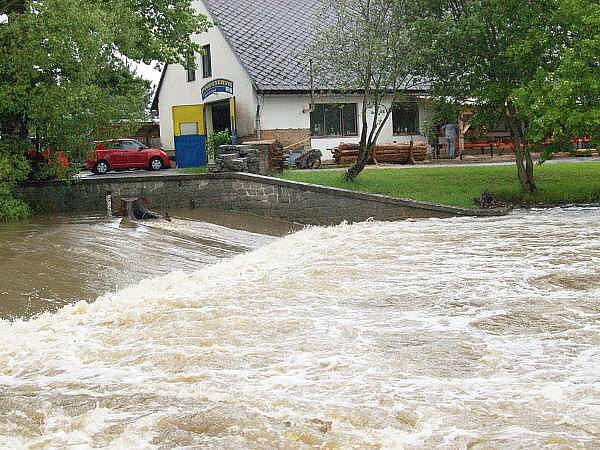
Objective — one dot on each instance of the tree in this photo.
(67, 72)
(565, 101)
(505, 59)
(363, 46)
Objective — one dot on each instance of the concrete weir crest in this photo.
(265, 196)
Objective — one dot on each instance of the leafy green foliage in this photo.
(215, 140)
(13, 168)
(67, 75)
(564, 100)
(12, 209)
(517, 63)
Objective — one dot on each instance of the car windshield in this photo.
(140, 145)
(131, 145)
(123, 144)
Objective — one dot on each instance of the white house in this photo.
(252, 80)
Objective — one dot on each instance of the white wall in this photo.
(176, 90)
(280, 112)
(290, 111)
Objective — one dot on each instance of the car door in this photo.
(114, 154)
(134, 153)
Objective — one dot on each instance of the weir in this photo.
(467, 333)
(264, 196)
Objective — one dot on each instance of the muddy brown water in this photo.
(455, 334)
(50, 262)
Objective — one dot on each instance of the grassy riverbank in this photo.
(458, 186)
(194, 170)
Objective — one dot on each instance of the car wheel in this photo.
(315, 163)
(156, 164)
(101, 167)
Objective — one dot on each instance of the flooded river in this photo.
(459, 333)
(48, 263)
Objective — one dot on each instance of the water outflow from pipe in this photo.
(461, 333)
(108, 204)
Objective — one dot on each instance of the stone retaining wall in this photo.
(265, 196)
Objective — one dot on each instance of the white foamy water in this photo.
(461, 333)
(50, 262)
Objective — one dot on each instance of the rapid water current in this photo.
(51, 262)
(456, 333)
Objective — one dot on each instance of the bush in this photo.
(13, 169)
(51, 165)
(12, 209)
(215, 140)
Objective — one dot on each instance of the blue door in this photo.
(190, 150)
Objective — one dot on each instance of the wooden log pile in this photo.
(384, 153)
(276, 152)
(276, 157)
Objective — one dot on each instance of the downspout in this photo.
(311, 108)
(257, 122)
(312, 87)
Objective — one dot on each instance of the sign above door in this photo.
(217, 85)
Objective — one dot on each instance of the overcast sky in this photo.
(148, 72)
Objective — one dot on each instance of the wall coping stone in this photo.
(395, 201)
(386, 199)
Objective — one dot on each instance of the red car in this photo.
(126, 154)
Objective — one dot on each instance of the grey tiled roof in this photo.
(269, 36)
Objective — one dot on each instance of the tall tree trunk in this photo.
(363, 148)
(524, 164)
(364, 153)
(522, 154)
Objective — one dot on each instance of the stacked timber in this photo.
(401, 153)
(276, 157)
(276, 152)
(384, 153)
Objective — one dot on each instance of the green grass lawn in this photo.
(458, 186)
